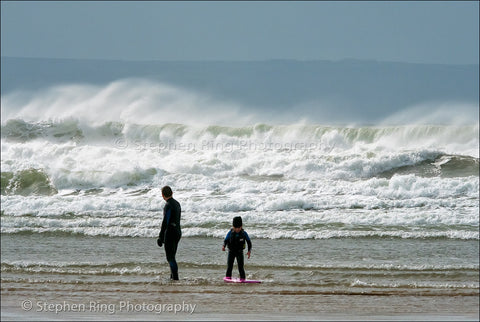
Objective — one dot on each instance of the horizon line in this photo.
(343, 60)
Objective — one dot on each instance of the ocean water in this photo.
(331, 209)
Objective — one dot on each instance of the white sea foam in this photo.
(267, 215)
(90, 160)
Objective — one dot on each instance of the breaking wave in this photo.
(67, 169)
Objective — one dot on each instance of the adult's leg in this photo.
(171, 245)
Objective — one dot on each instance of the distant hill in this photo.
(368, 89)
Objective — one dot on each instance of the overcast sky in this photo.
(420, 32)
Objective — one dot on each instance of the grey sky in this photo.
(421, 32)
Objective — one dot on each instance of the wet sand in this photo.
(237, 302)
(47, 282)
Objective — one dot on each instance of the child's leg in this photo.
(230, 260)
(240, 265)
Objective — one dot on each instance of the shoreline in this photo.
(128, 279)
(169, 303)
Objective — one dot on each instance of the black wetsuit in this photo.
(236, 244)
(171, 233)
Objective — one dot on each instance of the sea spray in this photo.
(90, 160)
(310, 181)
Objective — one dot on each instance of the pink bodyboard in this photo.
(238, 280)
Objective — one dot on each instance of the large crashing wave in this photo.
(116, 154)
(91, 160)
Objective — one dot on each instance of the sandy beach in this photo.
(237, 302)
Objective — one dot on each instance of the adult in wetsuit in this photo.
(170, 232)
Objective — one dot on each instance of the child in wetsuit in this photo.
(235, 240)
